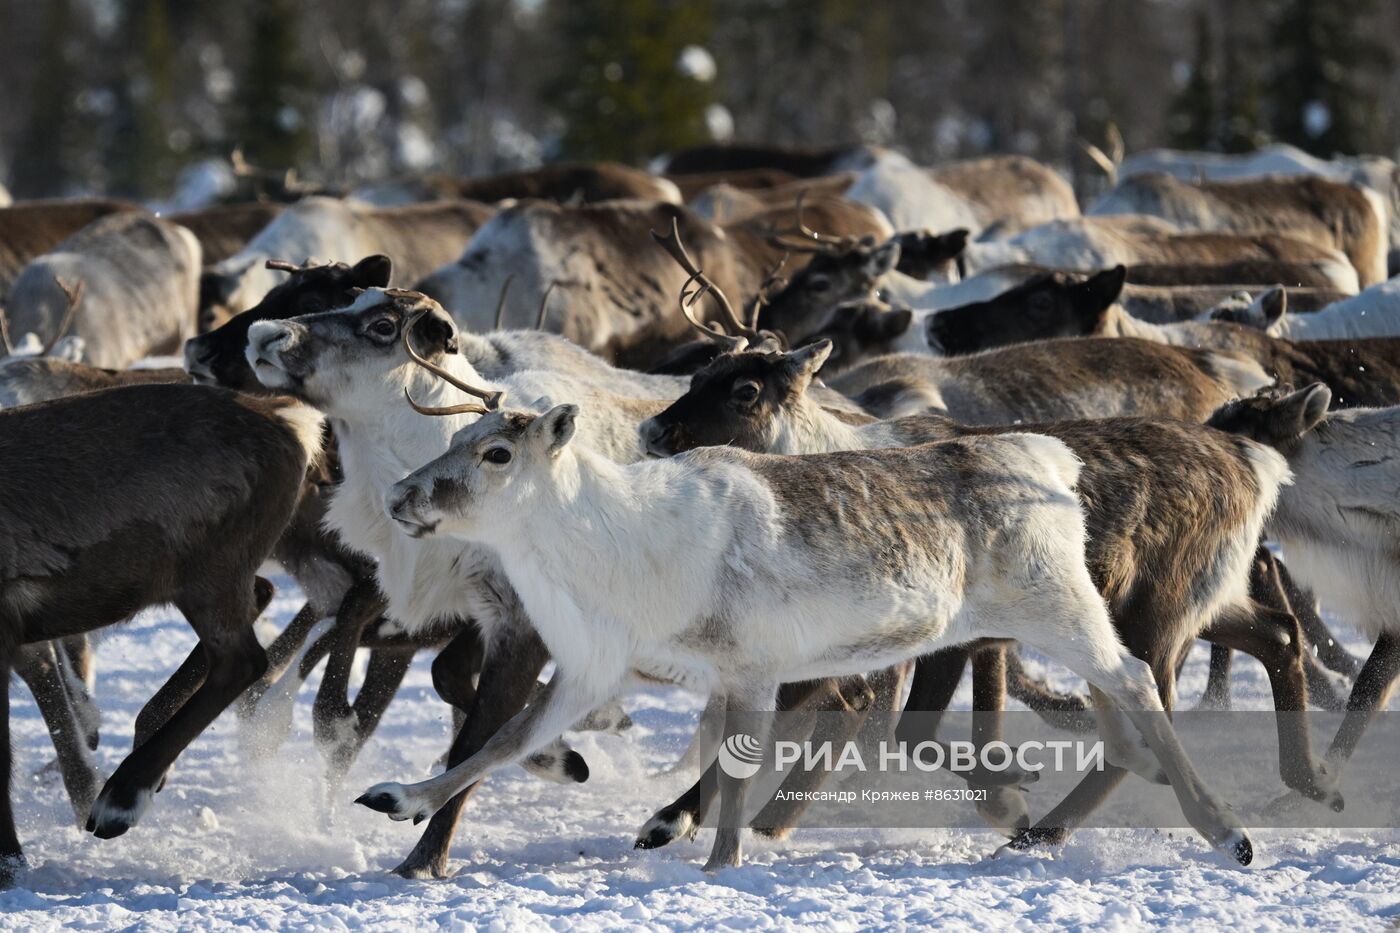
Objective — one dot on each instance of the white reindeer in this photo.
(1372, 313)
(729, 571)
(1337, 523)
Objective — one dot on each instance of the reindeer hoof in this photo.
(575, 767)
(12, 868)
(109, 819)
(663, 830)
(1029, 838)
(776, 833)
(392, 800)
(1238, 847)
(423, 871)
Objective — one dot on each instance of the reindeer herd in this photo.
(783, 429)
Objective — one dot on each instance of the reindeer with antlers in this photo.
(140, 276)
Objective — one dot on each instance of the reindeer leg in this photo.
(1304, 605)
(1217, 695)
(1271, 586)
(1126, 683)
(751, 698)
(1069, 711)
(335, 724)
(527, 730)
(12, 862)
(685, 814)
(853, 698)
(386, 670)
(1275, 639)
(1005, 806)
(682, 817)
(77, 667)
(1373, 687)
(936, 678)
(708, 733)
(233, 659)
(513, 662)
(39, 666)
(280, 654)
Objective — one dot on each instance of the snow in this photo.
(231, 842)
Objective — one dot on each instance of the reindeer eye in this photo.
(497, 455)
(384, 327)
(746, 392)
(312, 304)
(819, 283)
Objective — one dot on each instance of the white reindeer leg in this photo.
(558, 706)
(708, 733)
(750, 698)
(1129, 684)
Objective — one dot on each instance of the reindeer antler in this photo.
(74, 294)
(771, 283)
(492, 399)
(501, 301)
(544, 306)
(695, 287)
(808, 240)
(282, 265)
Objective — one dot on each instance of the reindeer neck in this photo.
(805, 427)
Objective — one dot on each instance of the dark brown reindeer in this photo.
(182, 494)
(1244, 272)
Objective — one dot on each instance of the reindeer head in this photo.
(1264, 313)
(740, 399)
(357, 360)
(859, 330)
(60, 344)
(1054, 304)
(1278, 417)
(493, 471)
(851, 272)
(217, 358)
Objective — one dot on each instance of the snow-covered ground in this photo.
(230, 842)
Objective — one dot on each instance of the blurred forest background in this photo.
(137, 97)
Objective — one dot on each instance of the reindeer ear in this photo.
(808, 360)
(372, 272)
(1104, 287)
(1273, 304)
(952, 243)
(895, 323)
(216, 288)
(555, 427)
(881, 260)
(435, 332)
(1310, 406)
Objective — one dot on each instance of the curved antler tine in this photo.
(802, 227)
(281, 265)
(544, 306)
(466, 408)
(671, 243)
(493, 399)
(501, 301)
(771, 283)
(74, 294)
